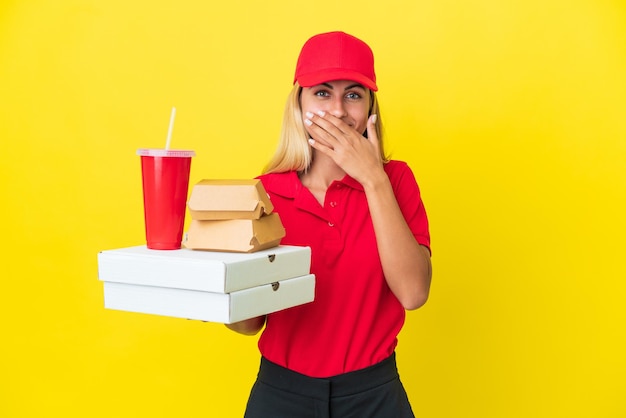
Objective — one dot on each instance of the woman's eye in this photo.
(321, 93)
(353, 96)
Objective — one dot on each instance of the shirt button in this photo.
(331, 224)
(333, 204)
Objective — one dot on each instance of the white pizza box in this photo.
(206, 271)
(210, 306)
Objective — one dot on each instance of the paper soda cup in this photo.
(165, 176)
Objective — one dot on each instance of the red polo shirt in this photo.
(355, 318)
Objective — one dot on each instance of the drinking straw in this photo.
(169, 131)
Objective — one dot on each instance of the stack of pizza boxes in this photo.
(231, 269)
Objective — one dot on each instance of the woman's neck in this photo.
(322, 172)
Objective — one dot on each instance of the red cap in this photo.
(335, 56)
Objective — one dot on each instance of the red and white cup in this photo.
(165, 176)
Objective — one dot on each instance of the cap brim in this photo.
(313, 79)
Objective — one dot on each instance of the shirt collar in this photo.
(285, 184)
(350, 182)
(288, 184)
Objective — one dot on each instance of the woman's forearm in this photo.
(406, 264)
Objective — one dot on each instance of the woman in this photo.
(364, 220)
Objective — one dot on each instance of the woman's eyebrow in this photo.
(351, 86)
(347, 87)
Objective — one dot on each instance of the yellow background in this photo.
(511, 113)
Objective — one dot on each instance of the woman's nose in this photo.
(337, 107)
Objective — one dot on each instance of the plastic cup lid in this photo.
(160, 152)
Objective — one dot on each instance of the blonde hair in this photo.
(294, 152)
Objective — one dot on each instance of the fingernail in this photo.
(321, 113)
(308, 122)
(309, 114)
(374, 118)
(311, 141)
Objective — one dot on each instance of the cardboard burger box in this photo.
(232, 215)
(210, 286)
(229, 199)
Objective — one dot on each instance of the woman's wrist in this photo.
(375, 181)
(249, 326)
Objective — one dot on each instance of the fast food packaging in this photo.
(210, 286)
(232, 215)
